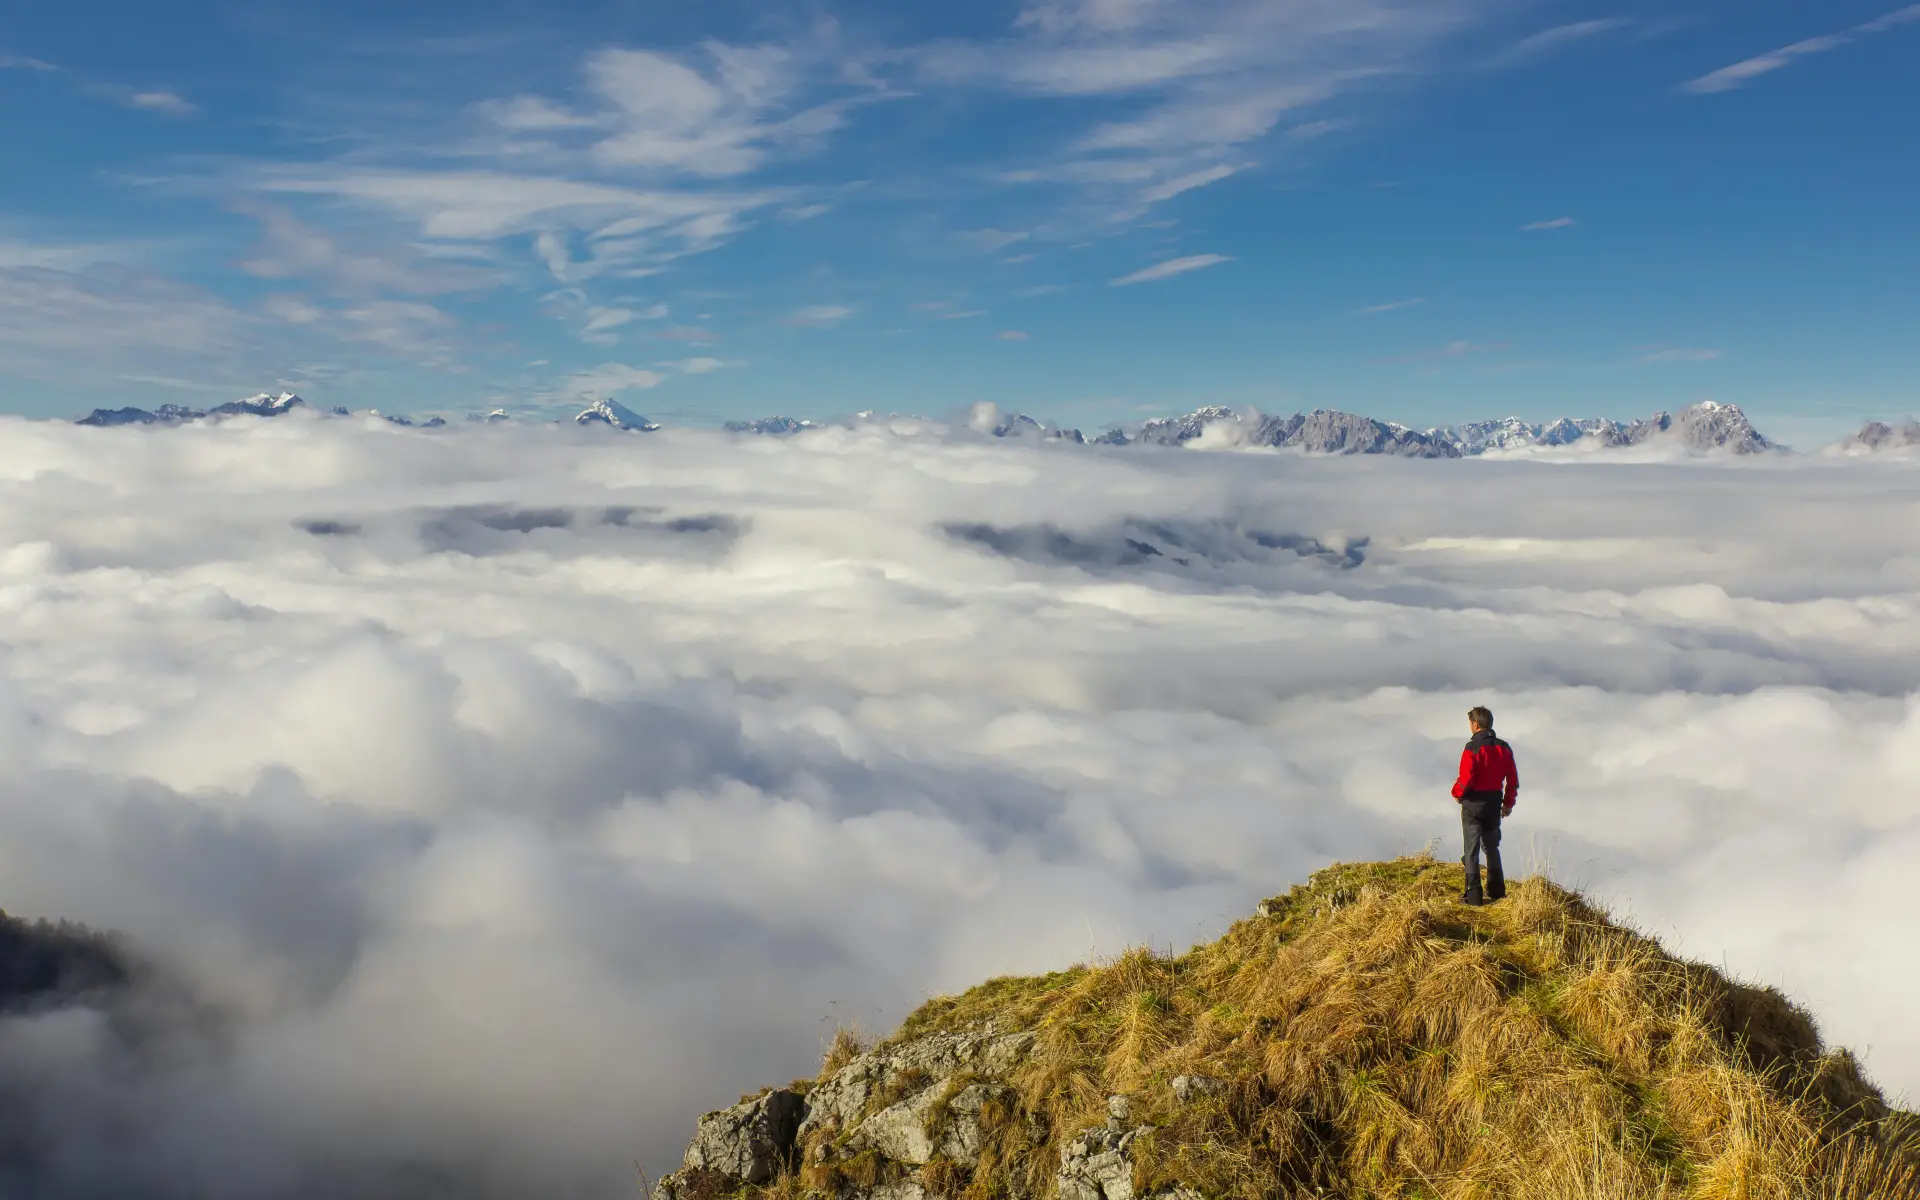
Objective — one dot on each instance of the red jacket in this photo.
(1486, 765)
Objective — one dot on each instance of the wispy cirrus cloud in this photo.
(1547, 41)
(619, 179)
(1308, 131)
(1171, 268)
(691, 334)
(1678, 354)
(1185, 84)
(1460, 348)
(1182, 184)
(1740, 74)
(816, 315)
(1543, 226)
(718, 111)
(108, 322)
(1375, 309)
(291, 249)
(992, 241)
(167, 104)
(488, 205)
(611, 379)
(155, 100)
(604, 321)
(702, 365)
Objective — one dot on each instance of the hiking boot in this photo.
(1472, 901)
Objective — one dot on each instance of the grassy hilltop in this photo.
(1368, 1036)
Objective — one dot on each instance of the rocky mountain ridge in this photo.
(1704, 428)
(1878, 436)
(1364, 1035)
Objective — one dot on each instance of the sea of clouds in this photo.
(496, 800)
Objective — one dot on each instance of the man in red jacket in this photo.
(1486, 788)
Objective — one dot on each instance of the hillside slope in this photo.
(1364, 1036)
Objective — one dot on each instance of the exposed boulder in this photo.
(931, 1123)
(896, 1072)
(1189, 1088)
(1096, 1165)
(748, 1144)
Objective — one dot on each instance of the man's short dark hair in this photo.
(1481, 716)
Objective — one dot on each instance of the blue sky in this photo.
(1091, 210)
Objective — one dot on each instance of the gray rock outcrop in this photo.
(908, 1104)
(749, 1143)
(902, 1109)
(1098, 1165)
(1878, 435)
(907, 1071)
(932, 1123)
(1189, 1088)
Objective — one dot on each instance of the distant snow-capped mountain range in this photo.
(1705, 428)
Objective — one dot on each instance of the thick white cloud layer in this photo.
(515, 794)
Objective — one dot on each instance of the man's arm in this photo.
(1512, 782)
(1466, 774)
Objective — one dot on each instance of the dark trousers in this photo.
(1480, 825)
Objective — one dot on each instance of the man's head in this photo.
(1480, 717)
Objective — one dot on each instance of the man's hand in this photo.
(1506, 810)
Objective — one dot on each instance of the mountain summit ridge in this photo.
(1363, 1035)
(1706, 428)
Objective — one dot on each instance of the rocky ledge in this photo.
(879, 1127)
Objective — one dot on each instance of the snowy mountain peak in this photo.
(770, 426)
(1707, 427)
(1703, 428)
(1712, 426)
(262, 405)
(612, 412)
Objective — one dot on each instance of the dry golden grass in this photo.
(1374, 1038)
